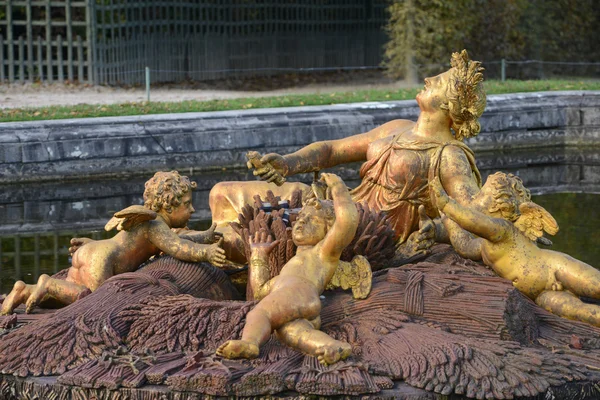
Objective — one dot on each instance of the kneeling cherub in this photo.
(508, 224)
(145, 231)
(289, 303)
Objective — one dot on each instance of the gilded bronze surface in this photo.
(144, 231)
(508, 224)
(289, 303)
(401, 156)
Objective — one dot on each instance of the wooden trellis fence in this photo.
(111, 41)
(45, 40)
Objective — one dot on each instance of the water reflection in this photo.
(37, 221)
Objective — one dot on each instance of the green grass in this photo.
(142, 108)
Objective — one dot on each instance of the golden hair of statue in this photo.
(507, 224)
(400, 157)
(144, 231)
(289, 303)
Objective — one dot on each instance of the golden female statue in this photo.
(401, 156)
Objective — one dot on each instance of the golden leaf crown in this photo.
(467, 99)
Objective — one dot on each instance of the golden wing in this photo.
(534, 220)
(130, 217)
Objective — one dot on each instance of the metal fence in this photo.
(107, 41)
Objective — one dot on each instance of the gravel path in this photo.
(40, 95)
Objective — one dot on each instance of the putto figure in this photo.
(289, 303)
(401, 156)
(145, 231)
(508, 224)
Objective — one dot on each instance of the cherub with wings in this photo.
(507, 224)
(144, 231)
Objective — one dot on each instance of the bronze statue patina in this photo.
(401, 156)
(507, 224)
(289, 303)
(144, 231)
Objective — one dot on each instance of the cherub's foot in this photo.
(238, 349)
(14, 298)
(330, 354)
(38, 294)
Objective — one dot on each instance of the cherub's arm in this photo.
(326, 154)
(259, 272)
(492, 229)
(209, 236)
(168, 242)
(346, 219)
(463, 242)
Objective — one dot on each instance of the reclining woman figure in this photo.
(401, 156)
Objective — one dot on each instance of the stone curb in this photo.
(116, 146)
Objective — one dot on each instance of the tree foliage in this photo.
(426, 32)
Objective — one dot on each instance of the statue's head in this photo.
(504, 194)
(459, 92)
(166, 190)
(313, 222)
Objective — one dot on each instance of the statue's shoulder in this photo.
(129, 218)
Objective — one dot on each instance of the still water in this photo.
(38, 222)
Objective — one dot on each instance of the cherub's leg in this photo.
(565, 304)
(302, 335)
(63, 291)
(18, 295)
(272, 312)
(579, 277)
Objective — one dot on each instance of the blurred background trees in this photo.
(424, 32)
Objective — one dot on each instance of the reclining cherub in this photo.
(508, 224)
(289, 303)
(145, 231)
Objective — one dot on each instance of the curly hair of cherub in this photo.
(509, 192)
(466, 96)
(165, 190)
(325, 205)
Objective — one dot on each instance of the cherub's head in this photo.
(506, 197)
(313, 222)
(459, 91)
(171, 193)
(502, 195)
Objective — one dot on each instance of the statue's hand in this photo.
(271, 167)
(262, 244)
(427, 232)
(440, 195)
(215, 254)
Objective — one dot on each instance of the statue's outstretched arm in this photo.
(326, 154)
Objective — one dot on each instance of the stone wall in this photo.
(139, 145)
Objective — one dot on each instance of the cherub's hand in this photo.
(262, 245)
(271, 167)
(440, 195)
(215, 254)
(331, 179)
(211, 235)
(77, 243)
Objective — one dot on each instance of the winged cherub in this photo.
(144, 231)
(508, 223)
